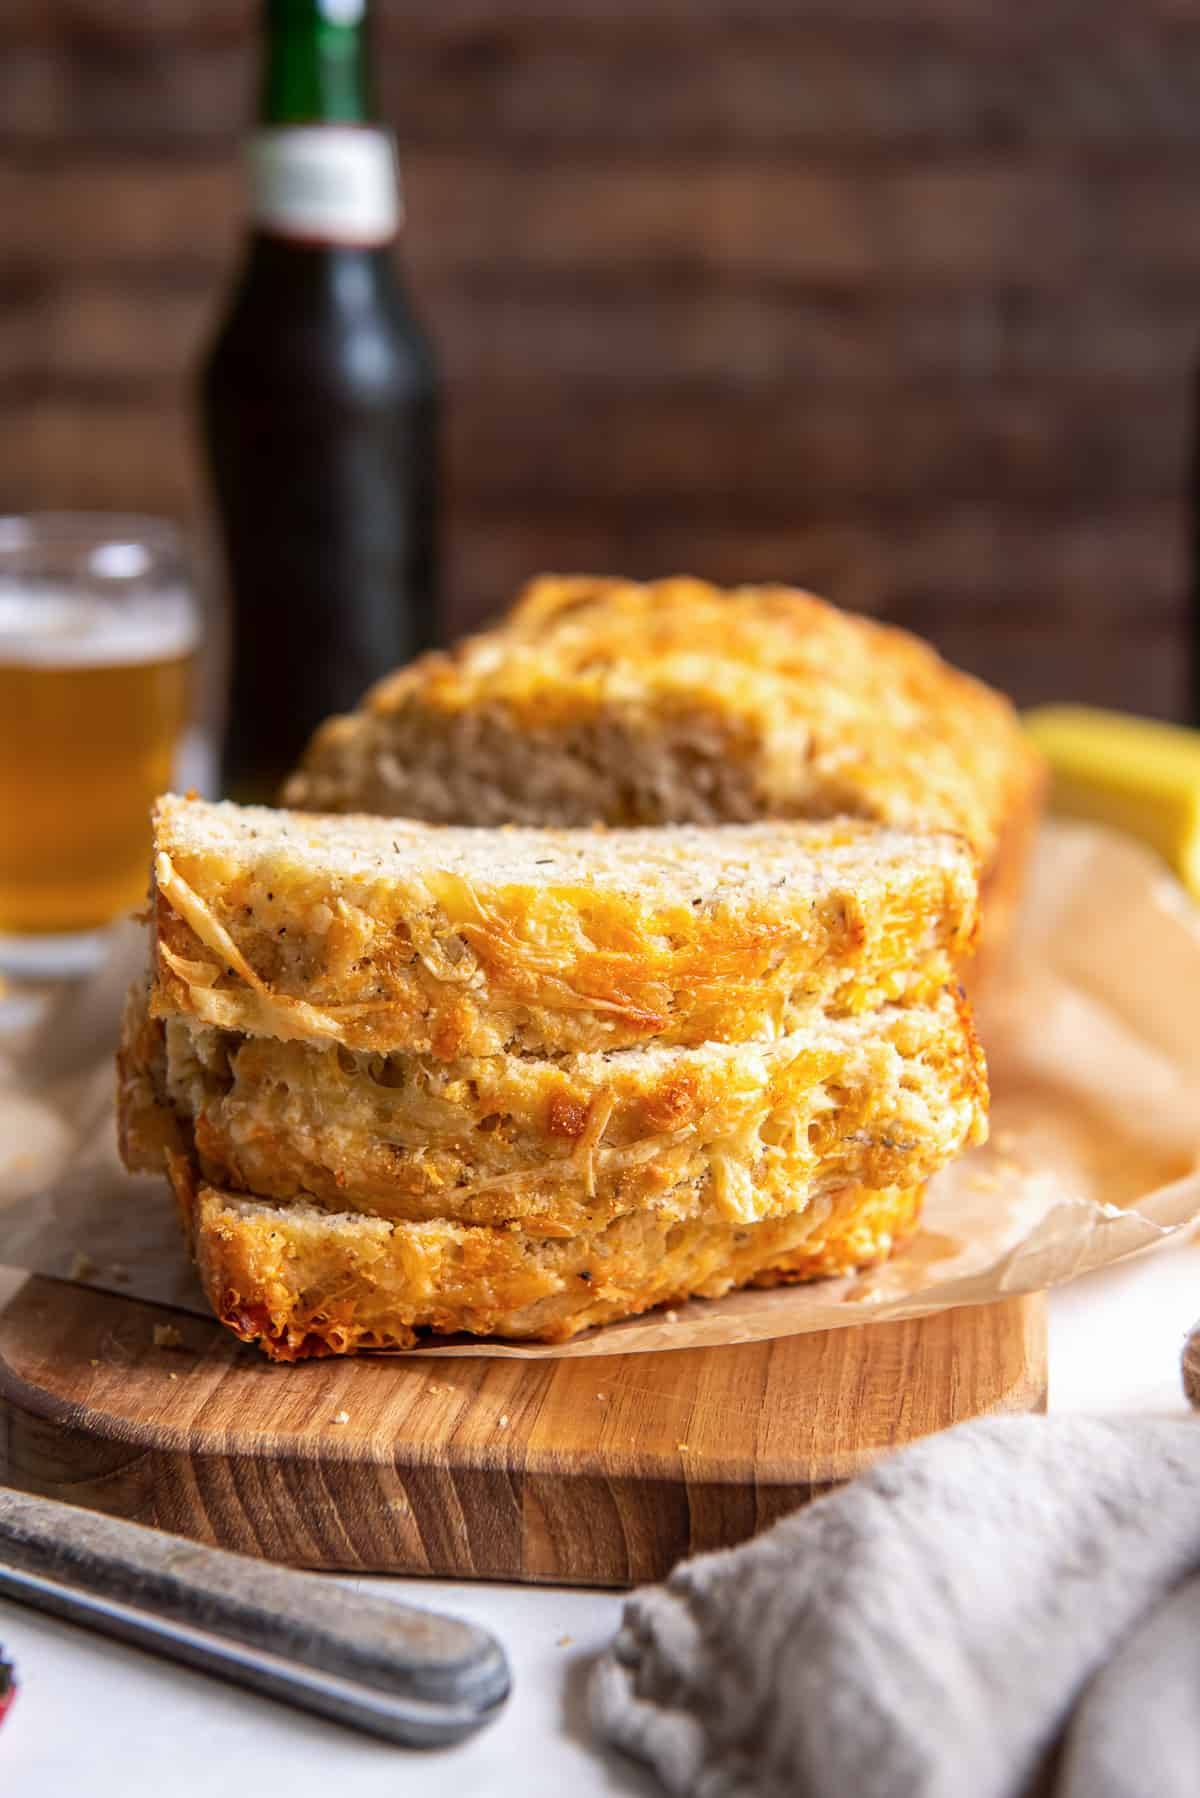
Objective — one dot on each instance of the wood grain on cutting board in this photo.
(600, 1471)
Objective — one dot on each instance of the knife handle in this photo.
(412, 1676)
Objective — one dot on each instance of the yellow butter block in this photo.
(1133, 773)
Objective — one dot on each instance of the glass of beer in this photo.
(98, 637)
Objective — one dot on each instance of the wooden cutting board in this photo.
(601, 1471)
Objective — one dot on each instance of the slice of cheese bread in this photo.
(388, 935)
(301, 1281)
(737, 1131)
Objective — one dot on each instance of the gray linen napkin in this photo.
(936, 1629)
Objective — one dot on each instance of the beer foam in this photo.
(61, 627)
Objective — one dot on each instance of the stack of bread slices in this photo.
(519, 1079)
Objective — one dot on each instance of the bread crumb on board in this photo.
(166, 1336)
(341, 1417)
(82, 1268)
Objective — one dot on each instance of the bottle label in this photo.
(332, 184)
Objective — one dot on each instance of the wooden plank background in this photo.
(898, 298)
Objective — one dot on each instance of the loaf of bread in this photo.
(613, 959)
(679, 702)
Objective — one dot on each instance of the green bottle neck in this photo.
(315, 71)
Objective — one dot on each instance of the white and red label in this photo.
(335, 184)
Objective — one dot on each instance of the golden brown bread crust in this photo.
(389, 935)
(301, 1283)
(750, 702)
(741, 1132)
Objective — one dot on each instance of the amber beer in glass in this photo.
(97, 642)
(317, 404)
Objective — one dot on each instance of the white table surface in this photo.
(96, 1718)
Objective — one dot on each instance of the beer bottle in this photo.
(318, 408)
